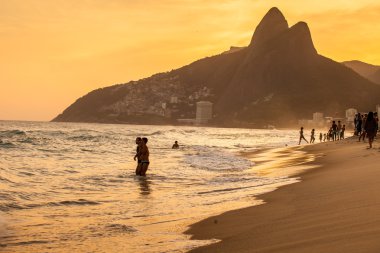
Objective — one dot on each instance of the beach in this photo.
(335, 208)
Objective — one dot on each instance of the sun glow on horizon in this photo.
(54, 52)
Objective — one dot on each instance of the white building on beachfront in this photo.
(174, 100)
(350, 116)
(204, 112)
(318, 120)
(317, 116)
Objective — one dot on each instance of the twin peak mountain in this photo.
(277, 79)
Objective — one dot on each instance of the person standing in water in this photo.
(320, 137)
(175, 145)
(302, 137)
(138, 167)
(144, 156)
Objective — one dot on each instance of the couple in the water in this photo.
(142, 156)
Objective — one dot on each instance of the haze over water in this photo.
(71, 187)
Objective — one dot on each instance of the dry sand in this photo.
(336, 208)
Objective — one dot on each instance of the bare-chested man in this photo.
(144, 156)
(138, 167)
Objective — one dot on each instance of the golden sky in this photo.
(55, 51)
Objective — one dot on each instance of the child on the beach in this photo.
(342, 132)
(312, 138)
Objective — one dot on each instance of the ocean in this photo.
(71, 186)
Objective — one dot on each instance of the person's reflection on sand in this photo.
(144, 186)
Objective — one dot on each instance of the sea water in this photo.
(70, 187)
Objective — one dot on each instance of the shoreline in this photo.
(335, 208)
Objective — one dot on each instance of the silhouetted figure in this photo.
(324, 137)
(138, 167)
(301, 136)
(339, 128)
(363, 132)
(370, 128)
(320, 137)
(334, 128)
(330, 134)
(144, 156)
(312, 138)
(377, 122)
(342, 132)
(358, 124)
(175, 145)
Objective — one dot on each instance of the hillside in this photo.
(369, 71)
(278, 78)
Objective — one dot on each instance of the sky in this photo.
(54, 51)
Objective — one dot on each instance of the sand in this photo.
(335, 208)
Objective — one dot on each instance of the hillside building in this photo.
(204, 112)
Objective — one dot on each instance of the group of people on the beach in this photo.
(365, 126)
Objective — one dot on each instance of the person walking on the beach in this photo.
(320, 137)
(334, 127)
(312, 138)
(324, 137)
(339, 128)
(363, 132)
(358, 124)
(370, 128)
(144, 156)
(138, 167)
(377, 122)
(301, 136)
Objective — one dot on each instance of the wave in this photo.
(121, 228)
(214, 159)
(84, 137)
(25, 243)
(24, 173)
(7, 145)
(79, 202)
(11, 133)
(9, 206)
(155, 133)
(234, 188)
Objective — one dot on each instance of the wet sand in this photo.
(336, 208)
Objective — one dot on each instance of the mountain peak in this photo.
(271, 25)
(301, 38)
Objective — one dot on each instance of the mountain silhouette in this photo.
(278, 78)
(369, 71)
